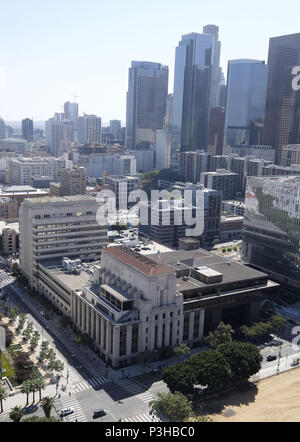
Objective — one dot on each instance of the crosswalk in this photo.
(78, 414)
(145, 397)
(130, 386)
(5, 280)
(95, 382)
(145, 417)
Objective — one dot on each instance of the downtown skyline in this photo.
(52, 75)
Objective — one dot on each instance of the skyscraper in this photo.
(2, 128)
(71, 111)
(196, 85)
(246, 98)
(89, 129)
(27, 129)
(282, 118)
(216, 130)
(115, 127)
(146, 102)
(58, 136)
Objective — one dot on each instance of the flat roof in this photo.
(70, 280)
(59, 199)
(190, 259)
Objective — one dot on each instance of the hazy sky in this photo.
(53, 50)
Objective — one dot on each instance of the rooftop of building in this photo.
(181, 260)
(59, 199)
(21, 189)
(7, 225)
(138, 261)
(67, 278)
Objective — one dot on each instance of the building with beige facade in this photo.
(132, 305)
(21, 170)
(57, 227)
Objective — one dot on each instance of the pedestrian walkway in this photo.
(94, 382)
(130, 386)
(145, 417)
(145, 397)
(78, 415)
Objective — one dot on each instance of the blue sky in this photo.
(53, 50)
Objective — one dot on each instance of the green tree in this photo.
(47, 404)
(276, 323)
(59, 366)
(16, 414)
(175, 406)
(179, 377)
(26, 389)
(13, 314)
(22, 320)
(243, 358)
(181, 350)
(40, 385)
(3, 396)
(209, 368)
(222, 334)
(33, 388)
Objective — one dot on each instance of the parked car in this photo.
(271, 358)
(99, 413)
(66, 411)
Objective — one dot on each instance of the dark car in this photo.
(271, 358)
(99, 413)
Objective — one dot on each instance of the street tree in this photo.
(179, 377)
(3, 396)
(40, 385)
(26, 389)
(33, 388)
(16, 413)
(209, 368)
(181, 350)
(244, 359)
(175, 406)
(222, 334)
(47, 404)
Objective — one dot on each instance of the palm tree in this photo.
(26, 389)
(47, 405)
(16, 413)
(40, 385)
(33, 388)
(3, 396)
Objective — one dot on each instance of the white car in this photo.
(66, 411)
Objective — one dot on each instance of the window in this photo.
(156, 317)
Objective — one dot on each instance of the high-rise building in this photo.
(216, 130)
(223, 181)
(246, 98)
(89, 129)
(2, 129)
(271, 226)
(114, 128)
(290, 155)
(282, 117)
(58, 136)
(21, 170)
(56, 227)
(73, 181)
(218, 162)
(196, 84)
(192, 164)
(146, 102)
(71, 111)
(27, 129)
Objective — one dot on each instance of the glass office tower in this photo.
(282, 118)
(195, 82)
(146, 102)
(272, 224)
(246, 98)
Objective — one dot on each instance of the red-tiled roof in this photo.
(139, 262)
